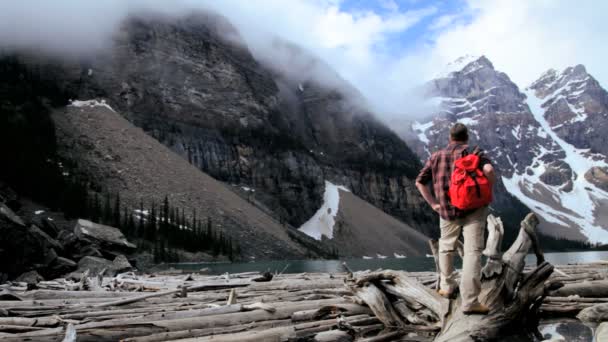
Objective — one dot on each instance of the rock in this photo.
(598, 176)
(95, 265)
(49, 256)
(9, 197)
(594, 314)
(31, 278)
(87, 251)
(45, 239)
(103, 236)
(121, 264)
(26, 248)
(46, 225)
(61, 266)
(7, 213)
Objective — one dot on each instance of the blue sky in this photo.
(445, 12)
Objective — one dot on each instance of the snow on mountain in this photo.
(322, 222)
(545, 142)
(458, 65)
(573, 205)
(90, 103)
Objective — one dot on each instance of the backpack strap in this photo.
(453, 159)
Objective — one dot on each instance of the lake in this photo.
(414, 264)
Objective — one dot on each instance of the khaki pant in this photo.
(473, 228)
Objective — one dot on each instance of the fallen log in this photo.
(513, 297)
(596, 288)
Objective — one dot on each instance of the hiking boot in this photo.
(477, 309)
(446, 294)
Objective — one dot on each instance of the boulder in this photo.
(45, 239)
(26, 248)
(31, 278)
(105, 237)
(60, 267)
(8, 214)
(95, 265)
(121, 264)
(87, 251)
(46, 225)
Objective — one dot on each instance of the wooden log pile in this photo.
(382, 305)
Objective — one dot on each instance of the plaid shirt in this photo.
(438, 169)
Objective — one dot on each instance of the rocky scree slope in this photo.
(535, 165)
(126, 160)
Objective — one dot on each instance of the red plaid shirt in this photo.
(438, 169)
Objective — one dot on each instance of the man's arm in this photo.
(428, 196)
(488, 171)
(422, 181)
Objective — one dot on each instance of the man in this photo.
(438, 170)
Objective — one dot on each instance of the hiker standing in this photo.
(462, 184)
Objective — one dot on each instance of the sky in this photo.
(383, 47)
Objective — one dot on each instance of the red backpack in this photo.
(469, 187)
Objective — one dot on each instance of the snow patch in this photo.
(420, 129)
(399, 256)
(367, 257)
(90, 103)
(468, 121)
(457, 65)
(323, 221)
(38, 212)
(380, 256)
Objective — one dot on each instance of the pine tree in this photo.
(116, 212)
(151, 226)
(96, 215)
(107, 211)
(165, 217)
(124, 225)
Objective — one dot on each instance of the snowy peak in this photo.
(552, 82)
(465, 64)
(575, 106)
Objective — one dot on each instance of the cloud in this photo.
(525, 38)
(384, 48)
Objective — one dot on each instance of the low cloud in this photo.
(363, 46)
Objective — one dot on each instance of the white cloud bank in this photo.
(522, 38)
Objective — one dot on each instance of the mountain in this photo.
(538, 169)
(123, 158)
(272, 138)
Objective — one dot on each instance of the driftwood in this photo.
(373, 306)
(513, 297)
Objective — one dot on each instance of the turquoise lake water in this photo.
(416, 264)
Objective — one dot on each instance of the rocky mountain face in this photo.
(537, 167)
(275, 139)
(575, 107)
(121, 157)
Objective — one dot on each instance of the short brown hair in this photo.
(459, 132)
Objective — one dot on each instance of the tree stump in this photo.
(514, 297)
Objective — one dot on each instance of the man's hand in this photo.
(428, 196)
